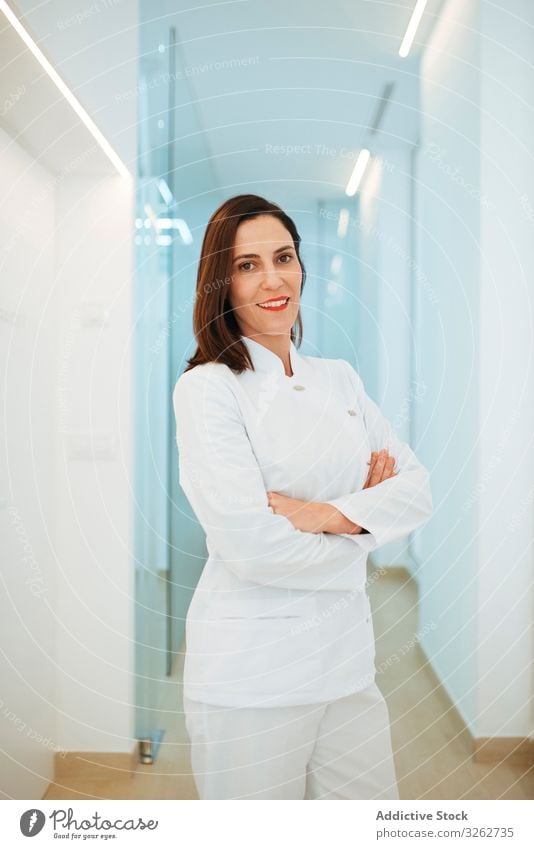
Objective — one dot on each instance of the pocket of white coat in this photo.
(258, 608)
(256, 648)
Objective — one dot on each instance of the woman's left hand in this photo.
(311, 516)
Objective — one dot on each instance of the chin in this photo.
(276, 327)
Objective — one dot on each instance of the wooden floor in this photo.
(432, 748)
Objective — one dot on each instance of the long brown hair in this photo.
(214, 325)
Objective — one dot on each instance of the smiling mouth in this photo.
(274, 306)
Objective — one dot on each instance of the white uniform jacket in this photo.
(281, 616)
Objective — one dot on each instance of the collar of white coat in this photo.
(265, 360)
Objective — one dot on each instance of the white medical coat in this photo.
(281, 616)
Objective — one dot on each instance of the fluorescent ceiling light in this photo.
(372, 181)
(357, 174)
(335, 265)
(165, 192)
(184, 231)
(343, 223)
(409, 36)
(64, 89)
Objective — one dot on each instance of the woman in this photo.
(290, 468)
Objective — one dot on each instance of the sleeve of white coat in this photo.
(395, 507)
(222, 480)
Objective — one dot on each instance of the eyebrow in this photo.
(256, 256)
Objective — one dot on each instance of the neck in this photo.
(277, 343)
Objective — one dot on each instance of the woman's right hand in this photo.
(381, 467)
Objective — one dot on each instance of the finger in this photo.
(371, 464)
(372, 469)
(378, 470)
(388, 467)
(389, 462)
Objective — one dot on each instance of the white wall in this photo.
(474, 342)
(506, 393)
(448, 245)
(66, 623)
(28, 696)
(93, 509)
(68, 667)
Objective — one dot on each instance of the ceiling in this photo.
(284, 93)
(254, 95)
(35, 115)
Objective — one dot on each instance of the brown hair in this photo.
(214, 325)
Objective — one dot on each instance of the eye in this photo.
(242, 266)
(289, 258)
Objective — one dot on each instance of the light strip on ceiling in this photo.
(411, 30)
(343, 223)
(358, 172)
(64, 89)
(335, 265)
(165, 192)
(184, 231)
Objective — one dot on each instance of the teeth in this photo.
(273, 304)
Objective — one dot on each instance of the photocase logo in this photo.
(31, 822)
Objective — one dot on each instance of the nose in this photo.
(272, 278)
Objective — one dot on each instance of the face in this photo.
(265, 268)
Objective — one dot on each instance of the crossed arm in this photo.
(220, 476)
(318, 516)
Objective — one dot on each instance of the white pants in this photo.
(331, 750)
